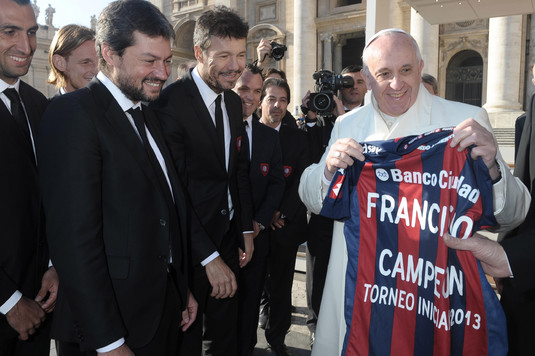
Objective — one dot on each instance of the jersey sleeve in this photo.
(336, 204)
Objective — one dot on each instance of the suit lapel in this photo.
(33, 111)
(150, 121)
(124, 130)
(236, 129)
(203, 115)
(9, 121)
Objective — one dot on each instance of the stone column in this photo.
(427, 37)
(327, 57)
(339, 42)
(304, 50)
(503, 74)
(375, 16)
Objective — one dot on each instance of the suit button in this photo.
(224, 212)
(163, 222)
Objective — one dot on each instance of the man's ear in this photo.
(108, 54)
(59, 62)
(421, 66)
(366, 78)
(198, 54)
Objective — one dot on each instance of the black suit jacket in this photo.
(267, 181)
(295, 158)
(23, 252)
(110, 221)
(191, 136)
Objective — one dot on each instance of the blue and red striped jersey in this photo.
(406, 293)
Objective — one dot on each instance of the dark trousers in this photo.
(165, 341)
(37, 345)
(249, 291)
(320, 236)
(519, 310)
(215, 329)
(281, 266)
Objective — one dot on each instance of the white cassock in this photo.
(511, 197)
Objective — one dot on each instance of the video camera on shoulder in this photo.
(327, 85)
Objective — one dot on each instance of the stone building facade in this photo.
(484, 62)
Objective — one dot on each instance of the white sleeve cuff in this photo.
(10, 303)
(509, 266)
(324, 179)
(210, 258)
(498, 189)
(112, 346)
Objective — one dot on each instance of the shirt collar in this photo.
(249, 120)
(117, 94)
(207, 94)
(4, 85)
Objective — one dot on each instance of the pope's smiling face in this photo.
(394, 73)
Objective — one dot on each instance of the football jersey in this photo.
(406, 293)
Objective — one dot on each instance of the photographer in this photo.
(269, 49)
(319, 228)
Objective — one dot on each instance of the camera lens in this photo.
(322, 102)
(277, 50)
(277, 53)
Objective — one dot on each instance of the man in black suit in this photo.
(513, 256)
(25, 278)
(267, 188)
(72, 58)
(202, 121)
(115, 207)
(320, 228)
(289, 221)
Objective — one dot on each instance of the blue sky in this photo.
(71, 11)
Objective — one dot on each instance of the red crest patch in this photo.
(336, 187)
(287, 171)
(264, 168)
(238, 143)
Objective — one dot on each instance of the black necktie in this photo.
(17, 111)
(219, 127)
(139, 121)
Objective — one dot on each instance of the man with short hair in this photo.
(353, 97)
(320, 228)
(289, 221)
(203, 125)
(430, 83)
(267, 187)
(72, 58)
(115, 207)
(24, 277)
(400, 106)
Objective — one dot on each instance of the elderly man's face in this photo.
(395, 73)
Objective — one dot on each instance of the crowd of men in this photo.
(143, 220)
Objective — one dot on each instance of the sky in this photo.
(71, 11)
